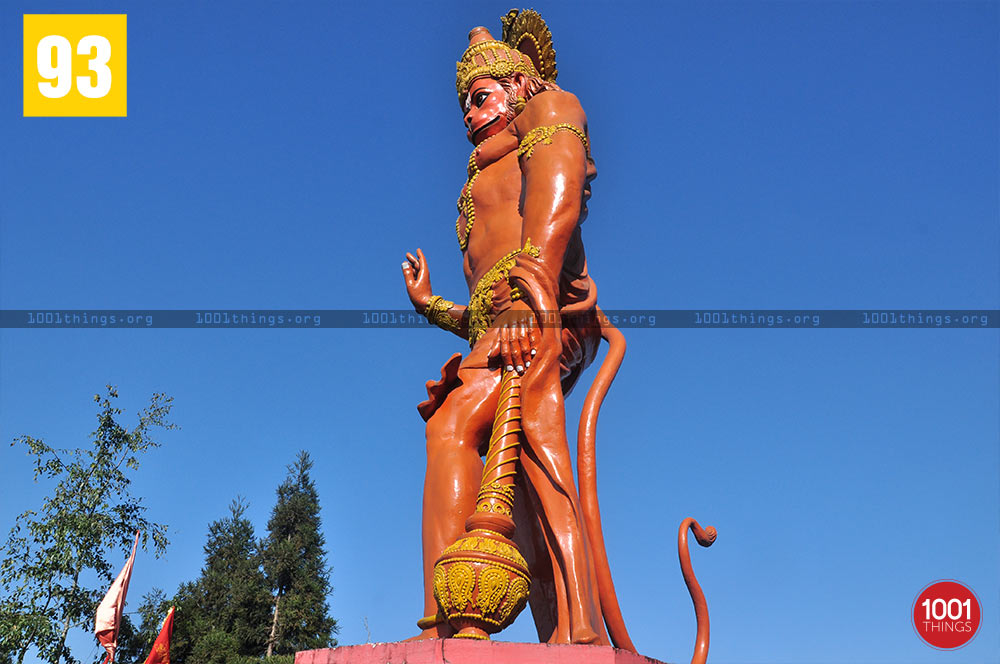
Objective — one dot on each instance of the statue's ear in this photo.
(520, 82)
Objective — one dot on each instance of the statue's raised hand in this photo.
(418, 280)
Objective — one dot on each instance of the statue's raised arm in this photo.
(439, 311)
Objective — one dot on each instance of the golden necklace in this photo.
(465, 205)
(538, 135)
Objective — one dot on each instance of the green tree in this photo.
(226, 612)
(139, 631)
(295, 562)
(89, 514)
(216, 647)
(190, 621)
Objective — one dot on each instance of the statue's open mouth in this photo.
(485, 126)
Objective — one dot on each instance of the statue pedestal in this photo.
(467, 651)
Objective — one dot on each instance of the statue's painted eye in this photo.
(481, 97)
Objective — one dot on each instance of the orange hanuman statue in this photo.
(493, 529)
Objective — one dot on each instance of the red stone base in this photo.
(462, 651)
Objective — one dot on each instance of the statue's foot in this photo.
(584, 635)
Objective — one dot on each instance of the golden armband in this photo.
(544, 136)
(437, 313)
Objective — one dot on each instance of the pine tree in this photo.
(191, 622)
(227, 611)
(295, 563)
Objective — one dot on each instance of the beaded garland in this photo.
(538, 135)
(465, 205)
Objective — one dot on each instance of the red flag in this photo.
(109, 611)
(160, 654)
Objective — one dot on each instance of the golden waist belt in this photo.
(481, 302)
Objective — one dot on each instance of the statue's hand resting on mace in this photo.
(517, 341)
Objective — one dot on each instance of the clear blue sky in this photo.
(770, 155)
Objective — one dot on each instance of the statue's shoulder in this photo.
(548, 108)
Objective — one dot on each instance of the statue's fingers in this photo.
(533, 339)
(517, 331)
(505, 348)
(420, 257)
(526, 344)
(526, 349)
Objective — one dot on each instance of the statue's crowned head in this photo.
(495, 78)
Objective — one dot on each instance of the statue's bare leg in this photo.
(455, 434)
(547, 465)
(529, 535)
(549, 476)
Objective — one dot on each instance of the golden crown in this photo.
(526, 48)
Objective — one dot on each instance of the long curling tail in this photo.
(587, 470)
(706, 537)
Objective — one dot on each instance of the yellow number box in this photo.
(75, 65)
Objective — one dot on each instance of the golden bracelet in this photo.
(437, 313)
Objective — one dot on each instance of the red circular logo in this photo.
(946, 614)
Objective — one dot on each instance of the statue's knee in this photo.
(440, 432)
(446, 436)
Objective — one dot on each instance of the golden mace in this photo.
(481, 581)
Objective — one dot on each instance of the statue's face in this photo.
(486, 110)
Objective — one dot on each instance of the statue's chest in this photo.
(492, 190)
(499, 183)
